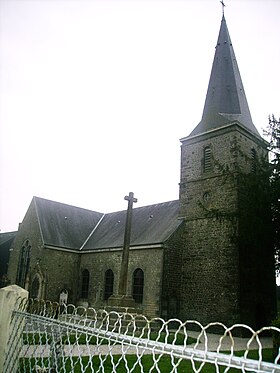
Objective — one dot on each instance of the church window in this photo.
(85, 284)
(253, 160)
(23, 264)
(109, 284)
(35, 286)
(207, 159)
(138, 285)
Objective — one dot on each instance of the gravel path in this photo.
(211, 344)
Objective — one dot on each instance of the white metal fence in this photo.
(46, 337)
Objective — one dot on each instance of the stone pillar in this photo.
(10, 298)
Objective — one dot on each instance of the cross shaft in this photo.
(125, 254)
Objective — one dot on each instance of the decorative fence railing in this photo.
(48, 337)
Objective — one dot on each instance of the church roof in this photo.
(225, 100)
(75, 228)
(151, 224)
(64, 225)
(6, 240)
(7, 236)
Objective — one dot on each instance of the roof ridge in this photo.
(139, 207)
(66, 204)
(91, 233)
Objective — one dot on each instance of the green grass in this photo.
(165, 365)
(36, 338)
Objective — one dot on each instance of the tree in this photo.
(273, 134)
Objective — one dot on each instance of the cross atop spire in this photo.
(223, 5)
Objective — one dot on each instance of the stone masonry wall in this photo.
(28, 230)
(172, 272)
(149, 260)
(62, 273)
(55, 269)
(210, 277)
(214, 264)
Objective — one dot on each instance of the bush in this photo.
(276, 338)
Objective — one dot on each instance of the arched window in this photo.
(35, 286)
(85, 284)
(23, 264)
(207, 159)
(138, 285)
(109, 284)
(253, 160)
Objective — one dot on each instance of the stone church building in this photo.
(200, 257)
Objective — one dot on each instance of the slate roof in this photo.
(225, 100)
(64, 225)
(75, 228)
(6, 240)
(152, 224)
(6, 236)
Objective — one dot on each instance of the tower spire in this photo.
(225, 100)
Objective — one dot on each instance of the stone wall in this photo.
(214, 263)
(172, 271)
(61, 273)
(149, 260)
(28, 230)
(210, 275)
(55, 269)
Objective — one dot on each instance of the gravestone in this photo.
(63, 297)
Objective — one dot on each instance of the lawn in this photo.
(129, 363)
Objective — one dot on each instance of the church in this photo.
(201, 257)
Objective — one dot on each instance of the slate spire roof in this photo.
(225, 100)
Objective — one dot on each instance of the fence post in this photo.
(10, 297)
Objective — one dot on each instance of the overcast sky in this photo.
(95, 95)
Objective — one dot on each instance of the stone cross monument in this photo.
(122, 299)
(126, 244)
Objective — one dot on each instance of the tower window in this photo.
(253, 160)
(109, 284)
(138, 285)
(85, 284)
(23, 264)
(207, 159)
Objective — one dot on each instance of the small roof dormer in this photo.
(225, 101)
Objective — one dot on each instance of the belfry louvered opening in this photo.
(253, 160)
(207, 159)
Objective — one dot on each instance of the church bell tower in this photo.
(227, 266)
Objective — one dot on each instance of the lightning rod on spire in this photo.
(223, 6)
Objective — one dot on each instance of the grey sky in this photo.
(95, 95)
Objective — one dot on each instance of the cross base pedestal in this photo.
(121, 301)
